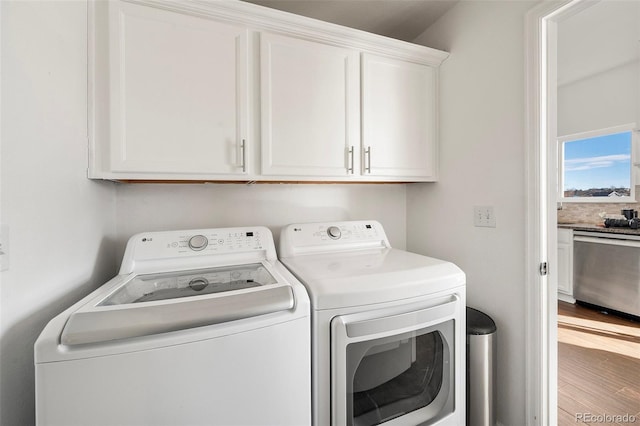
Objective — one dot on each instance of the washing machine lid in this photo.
(175, 285)
(369, 276)
(140, 305)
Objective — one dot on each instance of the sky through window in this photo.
(598, 162)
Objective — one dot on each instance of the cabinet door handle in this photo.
(367, 153)
(243, 156)
(350, 160)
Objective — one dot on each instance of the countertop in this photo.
(598, 228)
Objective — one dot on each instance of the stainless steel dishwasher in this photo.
(606, 270)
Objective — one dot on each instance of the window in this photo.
(597, 166)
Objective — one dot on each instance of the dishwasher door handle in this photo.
(609, 241)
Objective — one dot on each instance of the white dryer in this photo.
(200, 327)
(388, 327)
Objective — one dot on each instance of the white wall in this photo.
(482, 162)
(149, 207)
(67, 232)
(62, 226)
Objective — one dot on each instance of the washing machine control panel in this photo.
(203, 242)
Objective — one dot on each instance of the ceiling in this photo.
(400, 19)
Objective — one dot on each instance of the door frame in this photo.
(541, 376)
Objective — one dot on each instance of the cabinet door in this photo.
(565, 261)
(309, 106)
(398, 116)
(178, 92)
(563, 268)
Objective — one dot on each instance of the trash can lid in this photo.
(479, 322)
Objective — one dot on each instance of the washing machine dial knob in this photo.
(198, 242)
(334, 232)
(198, 284)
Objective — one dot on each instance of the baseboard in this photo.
(566, 298)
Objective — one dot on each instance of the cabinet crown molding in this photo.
(260, 18)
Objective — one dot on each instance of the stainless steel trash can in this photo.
(481, 368)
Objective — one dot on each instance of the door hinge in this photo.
(544, 268)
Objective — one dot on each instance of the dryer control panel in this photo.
(309, 238)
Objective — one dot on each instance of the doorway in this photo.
(596, 97)
(542, 276)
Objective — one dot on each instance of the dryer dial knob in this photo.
(334, 232)
(198, 242)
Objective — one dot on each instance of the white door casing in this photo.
(541, 218)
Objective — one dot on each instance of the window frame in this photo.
(631, 127)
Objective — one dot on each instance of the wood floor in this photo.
(598, 367)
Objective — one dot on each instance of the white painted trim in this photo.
(566, 298)
(91, 95)
(630, 127)
(541, 358)
(541, 134)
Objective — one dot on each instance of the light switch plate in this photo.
(484, 216)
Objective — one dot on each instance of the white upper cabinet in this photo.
(309, 107)
(398, 118)
(230, 91)
(177, 94)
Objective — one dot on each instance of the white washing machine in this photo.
(388, 327)
(200, 327)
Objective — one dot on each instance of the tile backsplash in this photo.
(590, 212)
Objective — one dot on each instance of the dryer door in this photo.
(395, 367)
